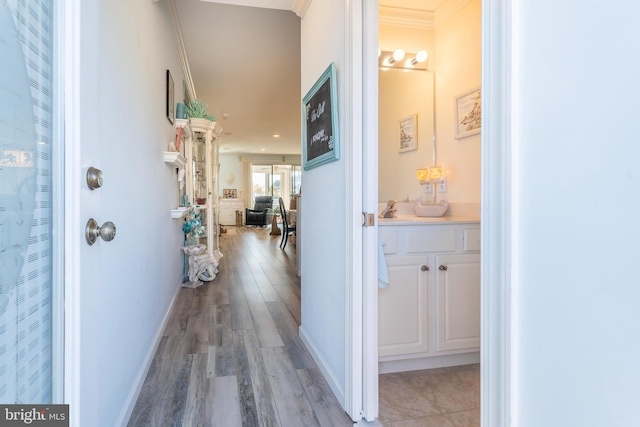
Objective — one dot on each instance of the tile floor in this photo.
(443, 397)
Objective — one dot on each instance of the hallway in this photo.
(230, 354)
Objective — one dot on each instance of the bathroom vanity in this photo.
(429, 315)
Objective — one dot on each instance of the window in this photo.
(276, 181)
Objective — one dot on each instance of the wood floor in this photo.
(231, 355)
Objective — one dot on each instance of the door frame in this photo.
(369, 243)
(498, 247)
(498, 356)
(73, 236)
(353, 129)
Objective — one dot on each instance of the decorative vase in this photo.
(275, 230)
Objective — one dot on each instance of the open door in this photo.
(370, 205)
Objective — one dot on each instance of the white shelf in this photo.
(180, 212)
(174, 159)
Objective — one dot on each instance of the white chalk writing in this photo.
(318, 111)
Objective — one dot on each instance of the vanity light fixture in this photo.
(419, 58)
(414, 61)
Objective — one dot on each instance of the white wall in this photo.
(323, 201)
(576, 200)
(230, 164)
(127, 285)
(457, 65)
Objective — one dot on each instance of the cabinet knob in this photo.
(424, 268)
(442, 268)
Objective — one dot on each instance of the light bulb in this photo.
(398, 55)
(388, 61)
(422, 56)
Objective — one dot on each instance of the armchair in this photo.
(258, 215)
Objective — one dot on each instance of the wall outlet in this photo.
(442, 185)
(427, 187)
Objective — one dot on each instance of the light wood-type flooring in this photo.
(231, 356)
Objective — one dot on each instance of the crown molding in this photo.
(447, 10)
(182, 50)
(406, 17)
(300, 7)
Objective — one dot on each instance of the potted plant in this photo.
(196, 109)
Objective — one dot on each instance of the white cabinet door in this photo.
(402, 307)
(458, 301)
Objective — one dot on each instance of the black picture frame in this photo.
(320, 140)
(170, 110)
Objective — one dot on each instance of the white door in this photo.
(370, 205)
(30, 205)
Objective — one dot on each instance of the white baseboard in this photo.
(130, 403)
(431, 362)
(335, 385)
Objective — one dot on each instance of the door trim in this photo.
(72, 222)
(369, 156)
(498, 358)
(354, 303)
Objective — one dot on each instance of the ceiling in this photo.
(244, 57)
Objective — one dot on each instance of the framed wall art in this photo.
(170, 108)
(468, 113)
(408, 133)
(229, 193)
(320, 142)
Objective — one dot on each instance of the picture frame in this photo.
(408, 133)
(468, 113)
(170, 108)
(229, 193)
(320, 139)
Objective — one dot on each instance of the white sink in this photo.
(432, 210)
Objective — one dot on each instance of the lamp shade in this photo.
(435, 172)
(422, 174)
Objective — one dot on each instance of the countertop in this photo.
(420, 220)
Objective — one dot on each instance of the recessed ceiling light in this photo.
(276, 135)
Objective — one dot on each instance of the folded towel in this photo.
(383, 273)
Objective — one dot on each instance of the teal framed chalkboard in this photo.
(320, 142)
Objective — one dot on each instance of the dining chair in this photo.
(286, 227)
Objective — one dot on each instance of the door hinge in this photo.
(368, 219)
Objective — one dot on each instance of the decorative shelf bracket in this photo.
(175, 159)
(180, 212)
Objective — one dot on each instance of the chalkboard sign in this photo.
(320, 122)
